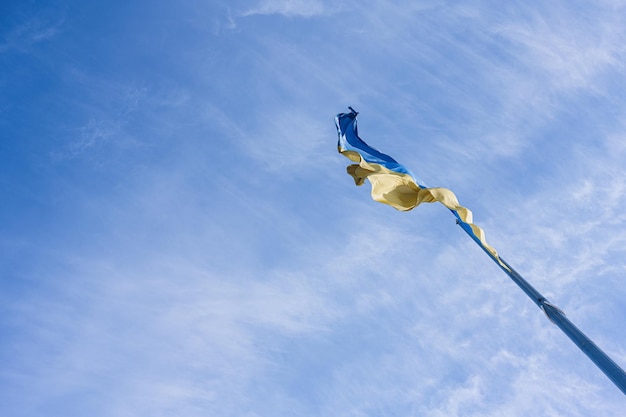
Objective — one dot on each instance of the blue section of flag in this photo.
(349, 140)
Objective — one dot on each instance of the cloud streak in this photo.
(289, 8)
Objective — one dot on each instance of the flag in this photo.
(393, 184)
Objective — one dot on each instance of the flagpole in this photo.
(557, 316)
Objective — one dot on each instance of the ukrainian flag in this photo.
(393, 184)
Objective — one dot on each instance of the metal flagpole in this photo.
(556, 316)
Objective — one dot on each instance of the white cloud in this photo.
(568, 49)
(290, 139)
(29, 33)
(170, 334)
(290, 8)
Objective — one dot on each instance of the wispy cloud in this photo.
(289, 8)
(31, 32)
(556, 47)
(211, 323)
(289, 139)
(107, 125)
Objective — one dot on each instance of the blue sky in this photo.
(178, 235)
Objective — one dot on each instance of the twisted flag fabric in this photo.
(394, 184)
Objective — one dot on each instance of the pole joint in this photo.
(546, 305)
